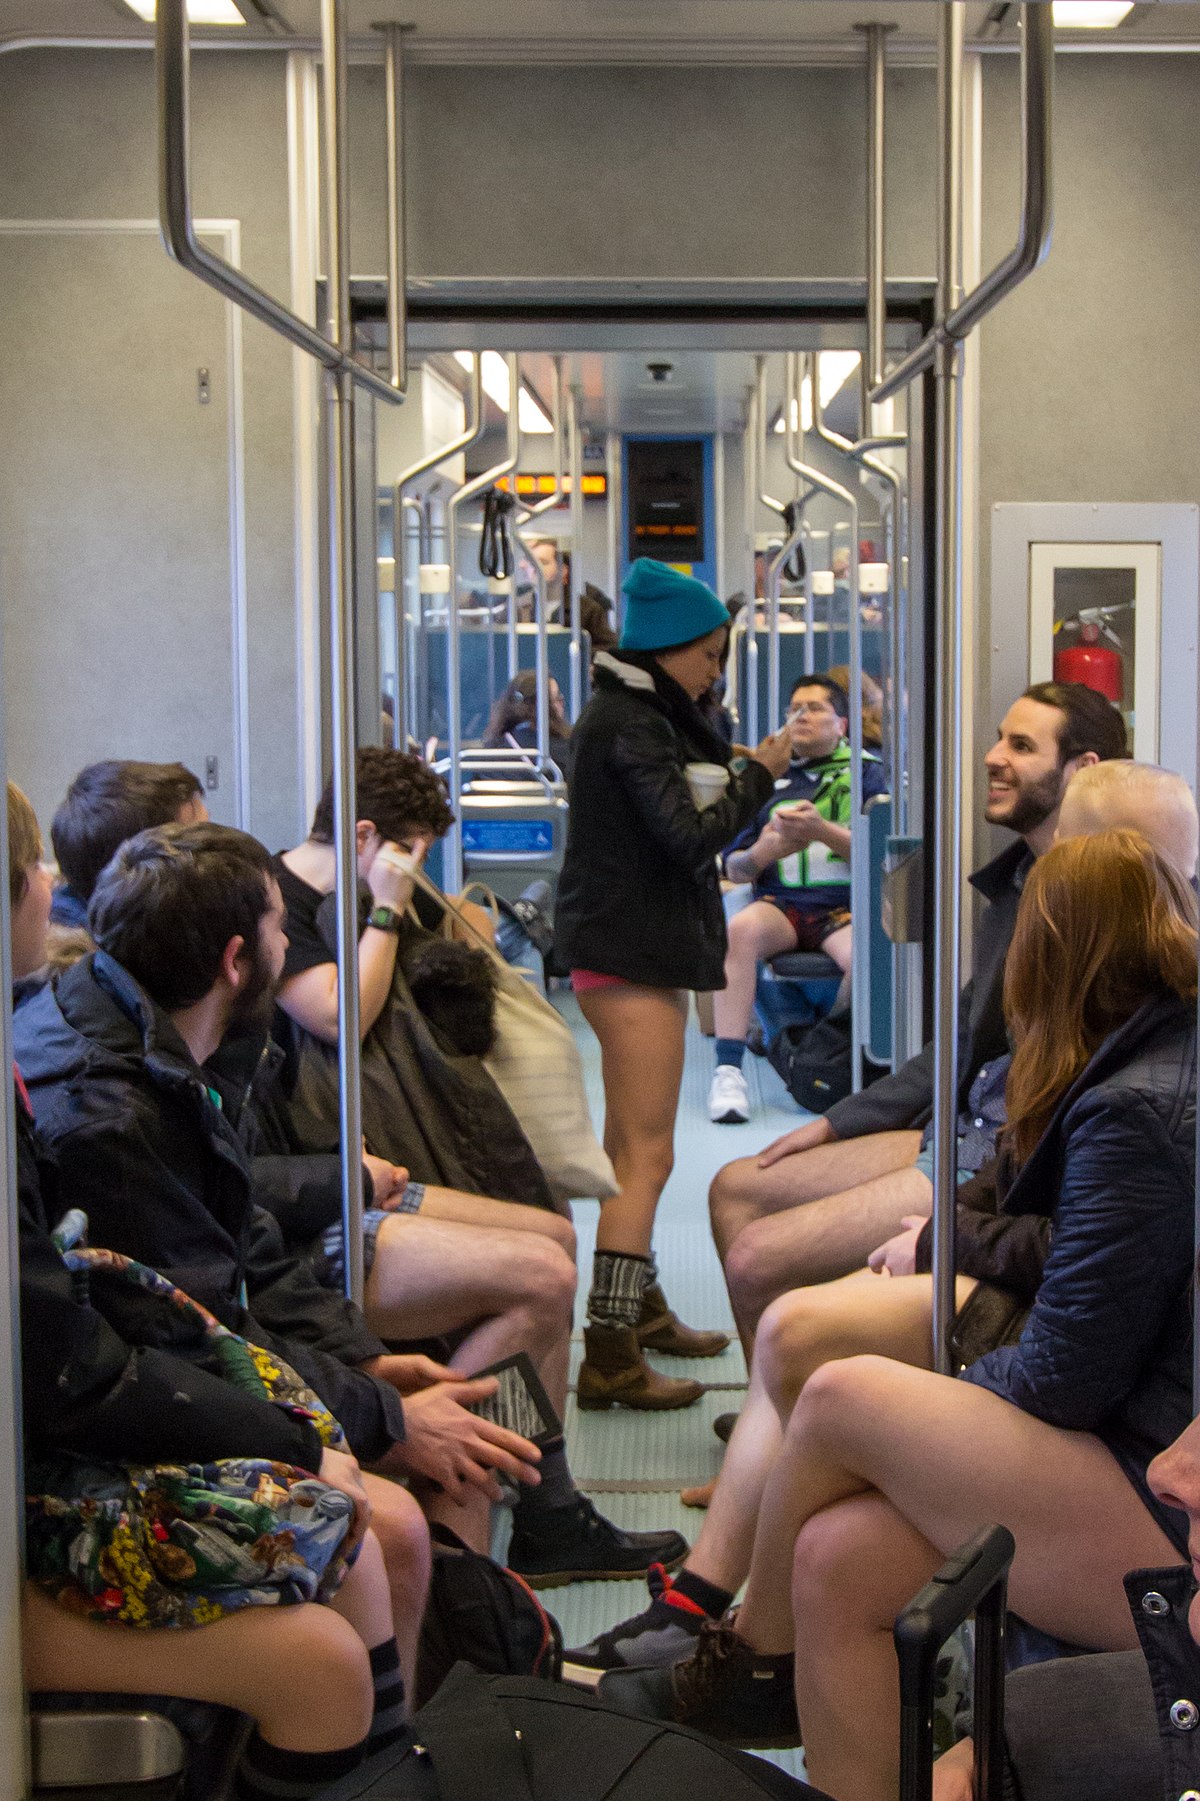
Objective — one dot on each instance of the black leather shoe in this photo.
(577, 1544)
(724, 1689)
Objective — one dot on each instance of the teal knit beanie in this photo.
(664, 608)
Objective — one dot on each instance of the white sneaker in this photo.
(728, 1098)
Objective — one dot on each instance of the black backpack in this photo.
(814, 1062)
(484, 1615)
(506, 1738)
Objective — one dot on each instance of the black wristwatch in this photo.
(385, 919)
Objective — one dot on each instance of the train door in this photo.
(1106, 595)
(124, 636)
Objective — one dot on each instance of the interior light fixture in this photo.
(835, 369)
(1090, 15)
(199, 12)
(495, 385)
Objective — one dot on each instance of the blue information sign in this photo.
(509, 837)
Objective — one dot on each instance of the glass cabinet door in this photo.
(1094, 614)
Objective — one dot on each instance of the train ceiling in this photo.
(619, 30)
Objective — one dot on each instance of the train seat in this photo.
(104, 1752)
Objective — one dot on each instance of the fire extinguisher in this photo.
(1093, 664)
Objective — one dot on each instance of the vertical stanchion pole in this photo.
(948, 665)
(575, 461)
(453, 864)
(397, 260)
(751, 709)
(339, 396)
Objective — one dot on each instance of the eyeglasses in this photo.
(815, 707)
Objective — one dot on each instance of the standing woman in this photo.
(655, 794)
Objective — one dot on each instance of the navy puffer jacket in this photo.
(1107, 1347)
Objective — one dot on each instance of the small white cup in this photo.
(707, 783)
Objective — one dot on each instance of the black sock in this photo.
(715, 1601)
(388, 1720)
(619, 1279)
(265, 1773)
(557, 1486)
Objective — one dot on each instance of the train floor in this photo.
(634, 1464)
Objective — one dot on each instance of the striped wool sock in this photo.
(388, 1721)
(618, 1283)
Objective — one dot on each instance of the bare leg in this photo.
(399, 1525)
(324, 1703)
(758, 932)
(515, 1290)
(797, 1334)
(641, 1033)
(478, 1210)
(838, 947)
(742, 1192)
(951, 1457)
(820, 1241)
(862, 1563)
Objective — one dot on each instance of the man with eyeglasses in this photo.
(797, 856)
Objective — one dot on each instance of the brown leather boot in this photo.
(615, 1374)
(659, 1330)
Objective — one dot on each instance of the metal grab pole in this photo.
(859, 884)
(541, 619)
(397, 258)
(948, 663)
(860, 453)
(402, 506)
(339, 391)
(876, 349)
(467, 437)
(557, 421)
(469, 490)
(774, 582)
(1037, 206)
(177, 220)
(575, 463)
(751, 459)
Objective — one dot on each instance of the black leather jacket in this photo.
(639, 896)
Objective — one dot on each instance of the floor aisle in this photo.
(635, 1464)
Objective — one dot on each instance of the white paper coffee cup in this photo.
(707, 783)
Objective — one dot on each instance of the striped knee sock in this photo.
(388, 1721)
(618, 1282)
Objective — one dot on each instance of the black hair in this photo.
(109, 802)
(1089, 721)
(171, 899)
(397, 792)
(838, 698)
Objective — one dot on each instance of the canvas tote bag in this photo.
(535, 1064)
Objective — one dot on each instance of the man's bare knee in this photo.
(730, 1208)
(562, 1231)
(549, 1278)
(750, 1277)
